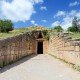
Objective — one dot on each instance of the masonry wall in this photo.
(64, 48)
(12, 49)
(45, 47)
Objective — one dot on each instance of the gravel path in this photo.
(39, 67)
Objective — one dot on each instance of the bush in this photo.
(46, 33)
(75, 25)
(6, 26)
(58, 28)
(73, 29)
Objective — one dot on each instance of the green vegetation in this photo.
(47, 34)
(6, 26)
(74, 35)
(15, 32)
(37, 28)
(75, 25)
(73, 29)
(46, 31)
(58, 28)
(19, 31)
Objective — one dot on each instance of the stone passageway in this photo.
(39, 67)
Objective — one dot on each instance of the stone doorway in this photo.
(40, 48)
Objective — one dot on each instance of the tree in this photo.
(74, 22)
(6, 25)
(58, 28)
(78, 25)
(72, 29)
(75, 25)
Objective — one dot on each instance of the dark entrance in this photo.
(40, 48)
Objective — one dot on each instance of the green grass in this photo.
(12, 33)
(16, 32)
(75, 35)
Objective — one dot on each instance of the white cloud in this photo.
(18, 10)
(43, 8)
(36, 24)
(32, 22)
(44, 21)
(56, 23)
(60, 13)
(36, 1)
(74, 3)
(66, 20)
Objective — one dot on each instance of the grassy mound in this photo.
(74, 35)
(19, 31)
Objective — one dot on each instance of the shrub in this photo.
(75, 25)
(73, 29)
(58, 28)
(6, 26)
(46, 33)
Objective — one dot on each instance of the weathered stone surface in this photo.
(62, 46)
(14, 48)
(65, 48)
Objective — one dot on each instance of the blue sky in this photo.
(48, 13)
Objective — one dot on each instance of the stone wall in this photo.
(12, 49)
(63, 47)
(45, 47)
(60, 45)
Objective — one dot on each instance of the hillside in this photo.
(19, 31)
(75, 35)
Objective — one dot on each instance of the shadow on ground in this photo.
(16, 63)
